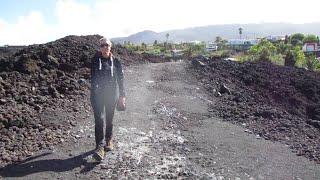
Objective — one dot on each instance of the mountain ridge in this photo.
(226, 31)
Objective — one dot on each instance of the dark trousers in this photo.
(103, 102)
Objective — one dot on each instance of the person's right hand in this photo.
(121, 106)
(122, 101)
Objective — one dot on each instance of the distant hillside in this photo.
(229, 31)
(140, 37)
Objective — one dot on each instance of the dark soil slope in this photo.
(275, 102)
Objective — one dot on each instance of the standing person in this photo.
(106, 74)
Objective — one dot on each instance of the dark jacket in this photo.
(106, 73)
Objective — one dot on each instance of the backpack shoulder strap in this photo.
(112, 64)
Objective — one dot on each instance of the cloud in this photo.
(114, 18)
(3, 24)
(73, 17)
(28, 29)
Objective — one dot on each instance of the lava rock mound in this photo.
(275, 102)
(36, 82)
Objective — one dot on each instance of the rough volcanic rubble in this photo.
(277, 103)
(38, 81)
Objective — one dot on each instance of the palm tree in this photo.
(218, 39)
(167, 36)
(240, 31)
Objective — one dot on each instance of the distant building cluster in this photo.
(236, 44)
(242, 44)
(275, 38)
(211, 46)
(246, 44)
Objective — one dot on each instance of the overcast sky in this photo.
(25, 22)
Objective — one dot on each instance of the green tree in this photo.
(264, 51)
(220, 42)
(289, 59)
(299, 56)
(312, 63)
(222, 45)
(286, 39)
(218, 39)
(195, 49)
(282, 47)
(143, 46)
(240, 31)
(167, 37)
(155, 43)
(310, 38)
(297, 39)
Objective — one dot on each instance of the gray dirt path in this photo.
(165, 133)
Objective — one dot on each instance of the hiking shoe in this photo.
(99, 154)
(109, 146)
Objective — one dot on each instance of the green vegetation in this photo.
(288, 52)
(264, 51)
(310, 38)
(297, 39)
(166, 49)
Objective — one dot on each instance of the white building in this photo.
(195, 42)
(243, 42)
(275, 38)
(211, 46)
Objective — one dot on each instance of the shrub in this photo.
(299, 57)
(264, 51)
(312, 63)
